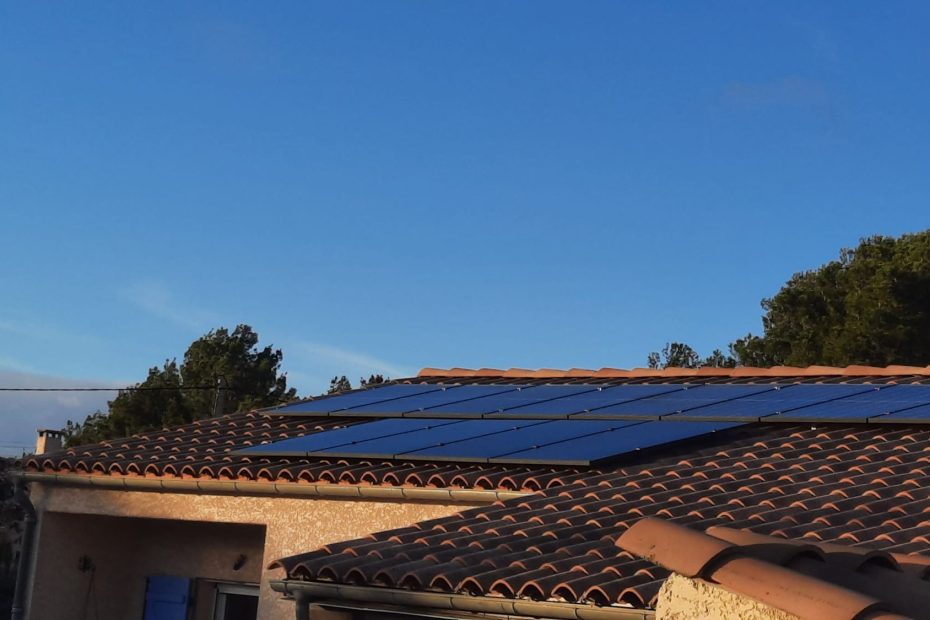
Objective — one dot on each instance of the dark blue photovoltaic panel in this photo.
(356, 433)
(432, 400)
(522, 396)
(917, 414)
(523, 438)
(683, 400)
(773, 401)
(614, 442)
(593, 399)
(877, 401)
(458, 430)
(340, 402)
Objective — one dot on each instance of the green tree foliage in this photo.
(10, 523)
(680, 355)
(371, 380)
(339, 384)
(342, 384)
(156, 402)
(251, 373)
(871, 306)
(175, 394)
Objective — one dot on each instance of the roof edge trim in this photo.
(740, 371)
(319, 592)
(264, 489)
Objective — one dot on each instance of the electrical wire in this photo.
(113, 389)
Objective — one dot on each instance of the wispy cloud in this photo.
(21, 413)
(790, 90)
(156, 299)
(11, 363)
(37, 330)
(348, 360)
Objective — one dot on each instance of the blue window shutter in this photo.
(167, 598)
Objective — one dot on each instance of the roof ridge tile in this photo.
(853, 370)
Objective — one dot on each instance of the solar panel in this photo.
(595, 398)
(331, 439)
(340, 402)
(676, 402)
(613, 442)
(503, 402)
(536, 433)
(396, 446)
(573, 424)
(495, 441)
(915, 414)
(877, 401)
(776, 400)
(446, 396)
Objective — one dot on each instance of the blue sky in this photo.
(377, 187)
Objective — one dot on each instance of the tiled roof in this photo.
(808, 579)
(203, 450)
(854, 485)
(708, 371)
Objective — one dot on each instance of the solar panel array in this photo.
(574, 424)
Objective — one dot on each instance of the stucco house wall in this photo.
(123, 552)
(682, 598)
(139, 533)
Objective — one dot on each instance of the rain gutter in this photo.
(306, 592)
(282, 489)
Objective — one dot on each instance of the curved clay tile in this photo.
(604, 594)
(415, 479)
(63, 464)
(115, 469)
(201, 471)
(410, 581)
(480, 583)
(632, 595)
(333, 571)
(479, 482)
(81, 466)
(225, 472)
(531, 589)
(441, 582)
(172, 469)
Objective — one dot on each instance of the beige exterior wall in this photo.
(682, 598)
(135, 534)
(126, 551)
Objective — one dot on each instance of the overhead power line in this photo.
(114, 389)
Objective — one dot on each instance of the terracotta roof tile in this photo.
(810, 581)
(201, 450)
(856, 484)
(763, 481)
(743, 371)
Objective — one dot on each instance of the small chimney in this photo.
(48, 441)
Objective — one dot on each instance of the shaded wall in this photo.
(291, 526)
(117, 554)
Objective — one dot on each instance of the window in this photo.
(235, 601)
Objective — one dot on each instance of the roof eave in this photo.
(285, 489)
(305, 592)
